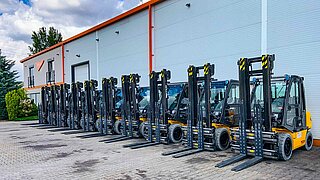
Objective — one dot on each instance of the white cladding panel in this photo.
(81, 50)
(125, 52)
(293, 35)
(219, 33)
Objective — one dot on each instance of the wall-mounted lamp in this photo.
(57, 54)
(67, 50)
(117, 32)
(188, 5)
(78, 55)
(97, 39)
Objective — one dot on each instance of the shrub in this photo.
(28, 108)
(19, 105)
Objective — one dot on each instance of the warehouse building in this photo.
(173, 34)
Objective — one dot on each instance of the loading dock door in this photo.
(80, 72)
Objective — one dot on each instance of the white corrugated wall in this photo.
(293, 35)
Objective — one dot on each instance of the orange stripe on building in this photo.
(40, 86)
(62, 59)
(150, 29)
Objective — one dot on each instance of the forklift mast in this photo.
(246, 71)
(255, 120)
(130, 109)
(196, 118)
(43, 119)
(94, 97)
(109, 90)
(158, 115)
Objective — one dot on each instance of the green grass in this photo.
(27, 118)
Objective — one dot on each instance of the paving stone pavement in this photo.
(30, 152)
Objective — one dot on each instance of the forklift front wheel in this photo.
(309, 141)
(285, 146)
(143, 130)
(117, 127)
(222, 138)
(175, 133)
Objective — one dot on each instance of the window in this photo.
(293, 114)
(50, 65)
(50, 75)
(31, 76)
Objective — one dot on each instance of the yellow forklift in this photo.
(274, 120)
(212, 109)
(165, 114)
(133, 109)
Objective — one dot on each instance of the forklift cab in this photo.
(178, 101)
(288, 102)
(225, 102)
(143, 98)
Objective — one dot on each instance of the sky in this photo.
(18, 18)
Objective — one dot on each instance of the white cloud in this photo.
(70, 17)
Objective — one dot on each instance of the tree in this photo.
(43, 39)
(8, 82)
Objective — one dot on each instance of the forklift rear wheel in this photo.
(143, 130)
(309, 141)
(175, 133)
(98, 124)
(78, 126)
(285, 146)
(222, 138)
(68, 123)
(82, 123)
(117, 127)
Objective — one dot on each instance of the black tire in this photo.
(143, 130)
(117, 127)
(82, 123)
(97, 124)
(175, 133)
(222, 138)
(309, 141)
(285, 146)
(92, 124)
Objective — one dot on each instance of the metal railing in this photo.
(50, 77)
